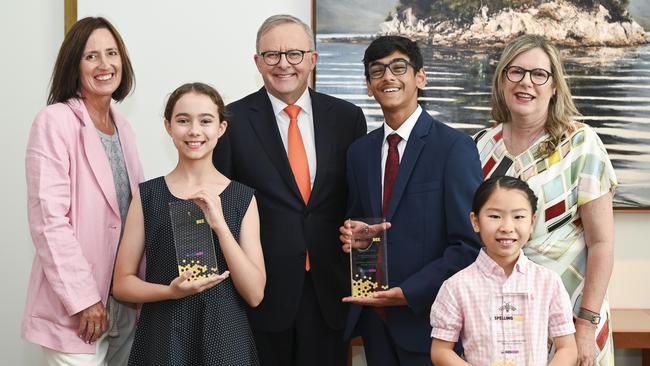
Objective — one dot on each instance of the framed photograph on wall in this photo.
(608, 72)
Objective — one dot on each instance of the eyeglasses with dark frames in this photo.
(517, 74)
(397, 67)
(294, 57)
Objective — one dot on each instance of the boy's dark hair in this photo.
(385, 45)
(484, 191)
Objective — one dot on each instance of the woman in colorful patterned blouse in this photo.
(537, 139)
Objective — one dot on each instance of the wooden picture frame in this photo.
(69, 14)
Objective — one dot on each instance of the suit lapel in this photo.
(412, 152)
(324, 140)
(374, 171)
(95, 154)
(262, 120)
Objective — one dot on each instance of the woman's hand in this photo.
(211, 207)
(180, 287)
(586, 342)
(92, 322)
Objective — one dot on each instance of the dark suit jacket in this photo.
(431, 237)
(251, 152)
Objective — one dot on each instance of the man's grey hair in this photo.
(279, 19)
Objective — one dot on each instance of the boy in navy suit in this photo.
(420, 175)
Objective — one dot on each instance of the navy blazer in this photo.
(431, 237)
(251, 152)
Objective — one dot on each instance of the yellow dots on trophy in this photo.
(363, 287)
(197, 270)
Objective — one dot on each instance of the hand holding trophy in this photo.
(365, 240)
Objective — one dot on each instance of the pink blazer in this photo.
(74, 221)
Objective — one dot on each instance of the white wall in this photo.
(168, 45)
(172, 43)
(30, 32)
(628, 287)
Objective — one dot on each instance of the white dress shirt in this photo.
(404, 131)
(305, 125)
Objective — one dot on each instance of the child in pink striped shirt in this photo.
(503, 307)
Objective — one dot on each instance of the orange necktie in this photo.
(298, 158)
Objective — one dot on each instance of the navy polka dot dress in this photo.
(210, 328)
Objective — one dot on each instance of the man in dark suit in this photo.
(289, 143)
(420, 175)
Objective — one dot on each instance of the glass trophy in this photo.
(193, 240)
(368, 257)
(509, 346)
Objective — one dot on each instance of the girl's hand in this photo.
(211, 207)
(180, 287)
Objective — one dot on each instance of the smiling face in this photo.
(396, 94)
(285, 81)
(194, 126)
(524, 99)
(504, 223)
(100, 69)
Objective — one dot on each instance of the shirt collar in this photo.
(404, 131)
(304, 102)
(488, 265)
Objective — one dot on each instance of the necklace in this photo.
(515, 149)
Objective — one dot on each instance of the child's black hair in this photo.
(484, 191)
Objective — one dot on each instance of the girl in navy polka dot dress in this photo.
(203, 321)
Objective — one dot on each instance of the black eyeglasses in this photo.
(294, 57)
(397, 67)
(517, 74)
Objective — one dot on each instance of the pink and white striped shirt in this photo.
(465, 308)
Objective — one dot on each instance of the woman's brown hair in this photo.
(65, 80)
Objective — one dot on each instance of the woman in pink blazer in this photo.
(81, 165)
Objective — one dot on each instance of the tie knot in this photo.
(292, 110)
(393, 139)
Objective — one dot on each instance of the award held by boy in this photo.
(368, 257)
